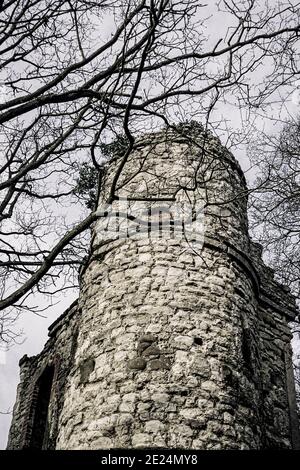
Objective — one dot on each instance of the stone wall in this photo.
(57, 359)
(179, 345)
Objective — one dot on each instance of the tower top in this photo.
(183, 165)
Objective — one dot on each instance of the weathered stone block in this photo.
(138, 363)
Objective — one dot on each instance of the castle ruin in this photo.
(180, 335)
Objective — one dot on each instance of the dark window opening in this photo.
(198, 341)
(247, 349)
(39, 436)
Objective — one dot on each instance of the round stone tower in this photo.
(172, 349)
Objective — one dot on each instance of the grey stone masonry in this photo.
(55, 361)
(177, 340)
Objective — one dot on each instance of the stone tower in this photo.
(180, 336)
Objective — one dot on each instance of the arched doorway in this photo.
(40, 429)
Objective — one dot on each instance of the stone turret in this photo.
(183, 337)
